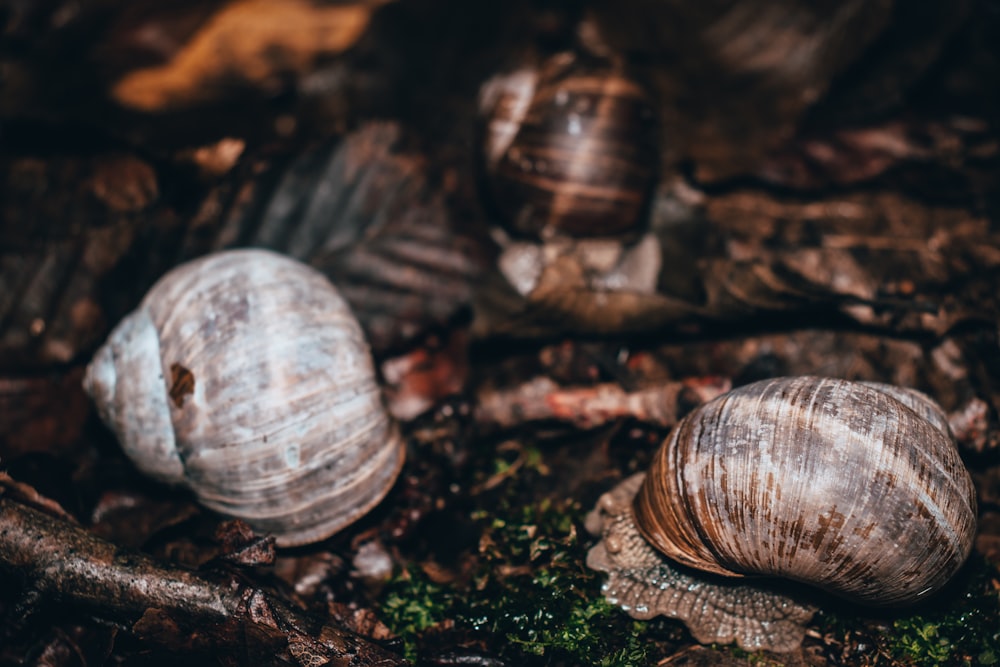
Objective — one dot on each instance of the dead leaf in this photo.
(257, 42)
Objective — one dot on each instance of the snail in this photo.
(245, 377)
(853, 488)
(569, 148)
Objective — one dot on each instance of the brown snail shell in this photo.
(569, 149)
(245, 377)
(840, 485)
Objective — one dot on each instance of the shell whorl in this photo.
(570, 149)
(270, 389)
(126, 383)
(834, 483)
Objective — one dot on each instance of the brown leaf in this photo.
(880, 259)
(251, 44)
(361, 621)
(365, 209)
(422, 377)
(306, 573)
(124, 183)
(241, 546)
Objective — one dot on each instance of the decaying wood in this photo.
(542, 399)
(60, 563)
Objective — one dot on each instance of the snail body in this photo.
(244, 377)
(853, 488)
(569, 149)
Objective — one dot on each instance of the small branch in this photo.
(542, 399)
(168, 606)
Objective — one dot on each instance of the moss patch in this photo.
(959, 629)
(528, 596)
(965, 632)
(504, 573)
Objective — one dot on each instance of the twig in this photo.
(61, 562)
(542, 399)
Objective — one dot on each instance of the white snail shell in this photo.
(854, 488)
(245, 377)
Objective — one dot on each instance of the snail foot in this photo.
(715, 609)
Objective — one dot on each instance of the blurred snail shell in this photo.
(245, 377)
(569, 148)
(854, 488)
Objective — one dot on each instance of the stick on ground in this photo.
(60, 562)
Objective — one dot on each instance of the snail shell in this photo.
(244, 377)
(569, 149)
(854, 488)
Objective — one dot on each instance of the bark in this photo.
(586, 407)
(61, 563)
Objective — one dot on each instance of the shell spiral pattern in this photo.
(245, 377)
(570, 150)
(838, 484)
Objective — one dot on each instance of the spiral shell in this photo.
(569, 149)
(838, 484)
(852, 487)
(244, 377)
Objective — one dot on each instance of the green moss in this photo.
(964, 632)
(413, 604)
(962, 629)
(529, 595)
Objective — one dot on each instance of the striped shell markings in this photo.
(244, 376)
(853, 488)
(569, 149)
